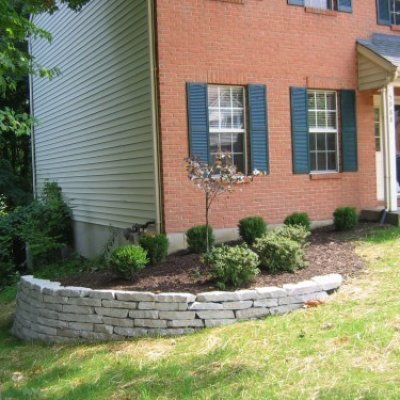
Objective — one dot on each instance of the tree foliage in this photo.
(17, 25)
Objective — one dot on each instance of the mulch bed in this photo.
(328, 252)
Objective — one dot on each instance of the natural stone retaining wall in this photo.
(50, 312)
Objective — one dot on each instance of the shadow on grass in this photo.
(204, 376)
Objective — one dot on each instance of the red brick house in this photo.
(303, 89)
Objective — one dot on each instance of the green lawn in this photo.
(348, 348)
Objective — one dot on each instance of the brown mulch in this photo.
(328, 252)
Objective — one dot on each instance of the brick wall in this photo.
(268, 42)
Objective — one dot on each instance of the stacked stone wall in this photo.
(50, 312)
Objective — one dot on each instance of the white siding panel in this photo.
(370, 75)
(94, 131)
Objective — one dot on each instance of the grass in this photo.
(348, 348)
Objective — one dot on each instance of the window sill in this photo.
(328, 175)
(320, 11)
(395, 28)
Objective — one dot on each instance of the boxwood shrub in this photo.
(251, 228)
(345, 218)
(196, 238)
(126, 261)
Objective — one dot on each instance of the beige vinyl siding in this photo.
(95, 133)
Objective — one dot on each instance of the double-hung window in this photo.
(321, 120)
(388, 12)
(323, 130)
(339, 5)
(229, 119)
(226, 115)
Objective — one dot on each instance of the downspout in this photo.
(32, 112)
(155, 112)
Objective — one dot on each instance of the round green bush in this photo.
(298, 218)
(232, 266)
(156, 246)
(298, 233)
(279, 253)
(345, 218)
(251, 228)
(196, 239)
(126, 261)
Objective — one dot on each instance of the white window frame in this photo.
(325, 130)
(318, 4)
(214, 130)
(394, 15)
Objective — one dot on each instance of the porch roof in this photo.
(378, 61)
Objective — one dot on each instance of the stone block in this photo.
(74, 291)
(170, 331)
(102, 294)
(186, 323)
(265, 303)
(130, 332)
(237, 305)
(144, 314)
(175, 298)
(46, 330)
(172, 315)
(81, 326)
(54, 323)
(47, 313)
(271, 292)
(211, 323)
(112, 312)
(70, 333)
(328, 282)
(252, 313)
(78, 309)
(79, 301)
(121, 322)
(134, 296)
(217, 296)
(285, 309)
(119, 304)
(290, 300)
(301, 288)
(205, 306)
(217, 314)
(101, 328)
(171, 306)
(150, 323)
(96, 337)
(55, 299)
(96, 319)
(147, 305)
(247, 294)
(315, 296)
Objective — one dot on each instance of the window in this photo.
(323, 132)
(226, 115)
(388, 12)
(339, 5)
(377, 125)
(231, 119)
(321, 119)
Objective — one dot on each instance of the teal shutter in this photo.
(383, 12)
(344, 6)
(296, 2)
(197, 99)
(258, 126)
(348, 130)
(300, 141)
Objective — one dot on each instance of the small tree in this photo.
(216, 179)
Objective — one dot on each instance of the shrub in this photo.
(126, 261)
(298, 233)
(232, 266)
(155, 245)
(196, 238)
(345, 218)
(279, 253)
(251, 228)
(298, 218)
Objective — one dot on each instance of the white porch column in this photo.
(389, 147)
